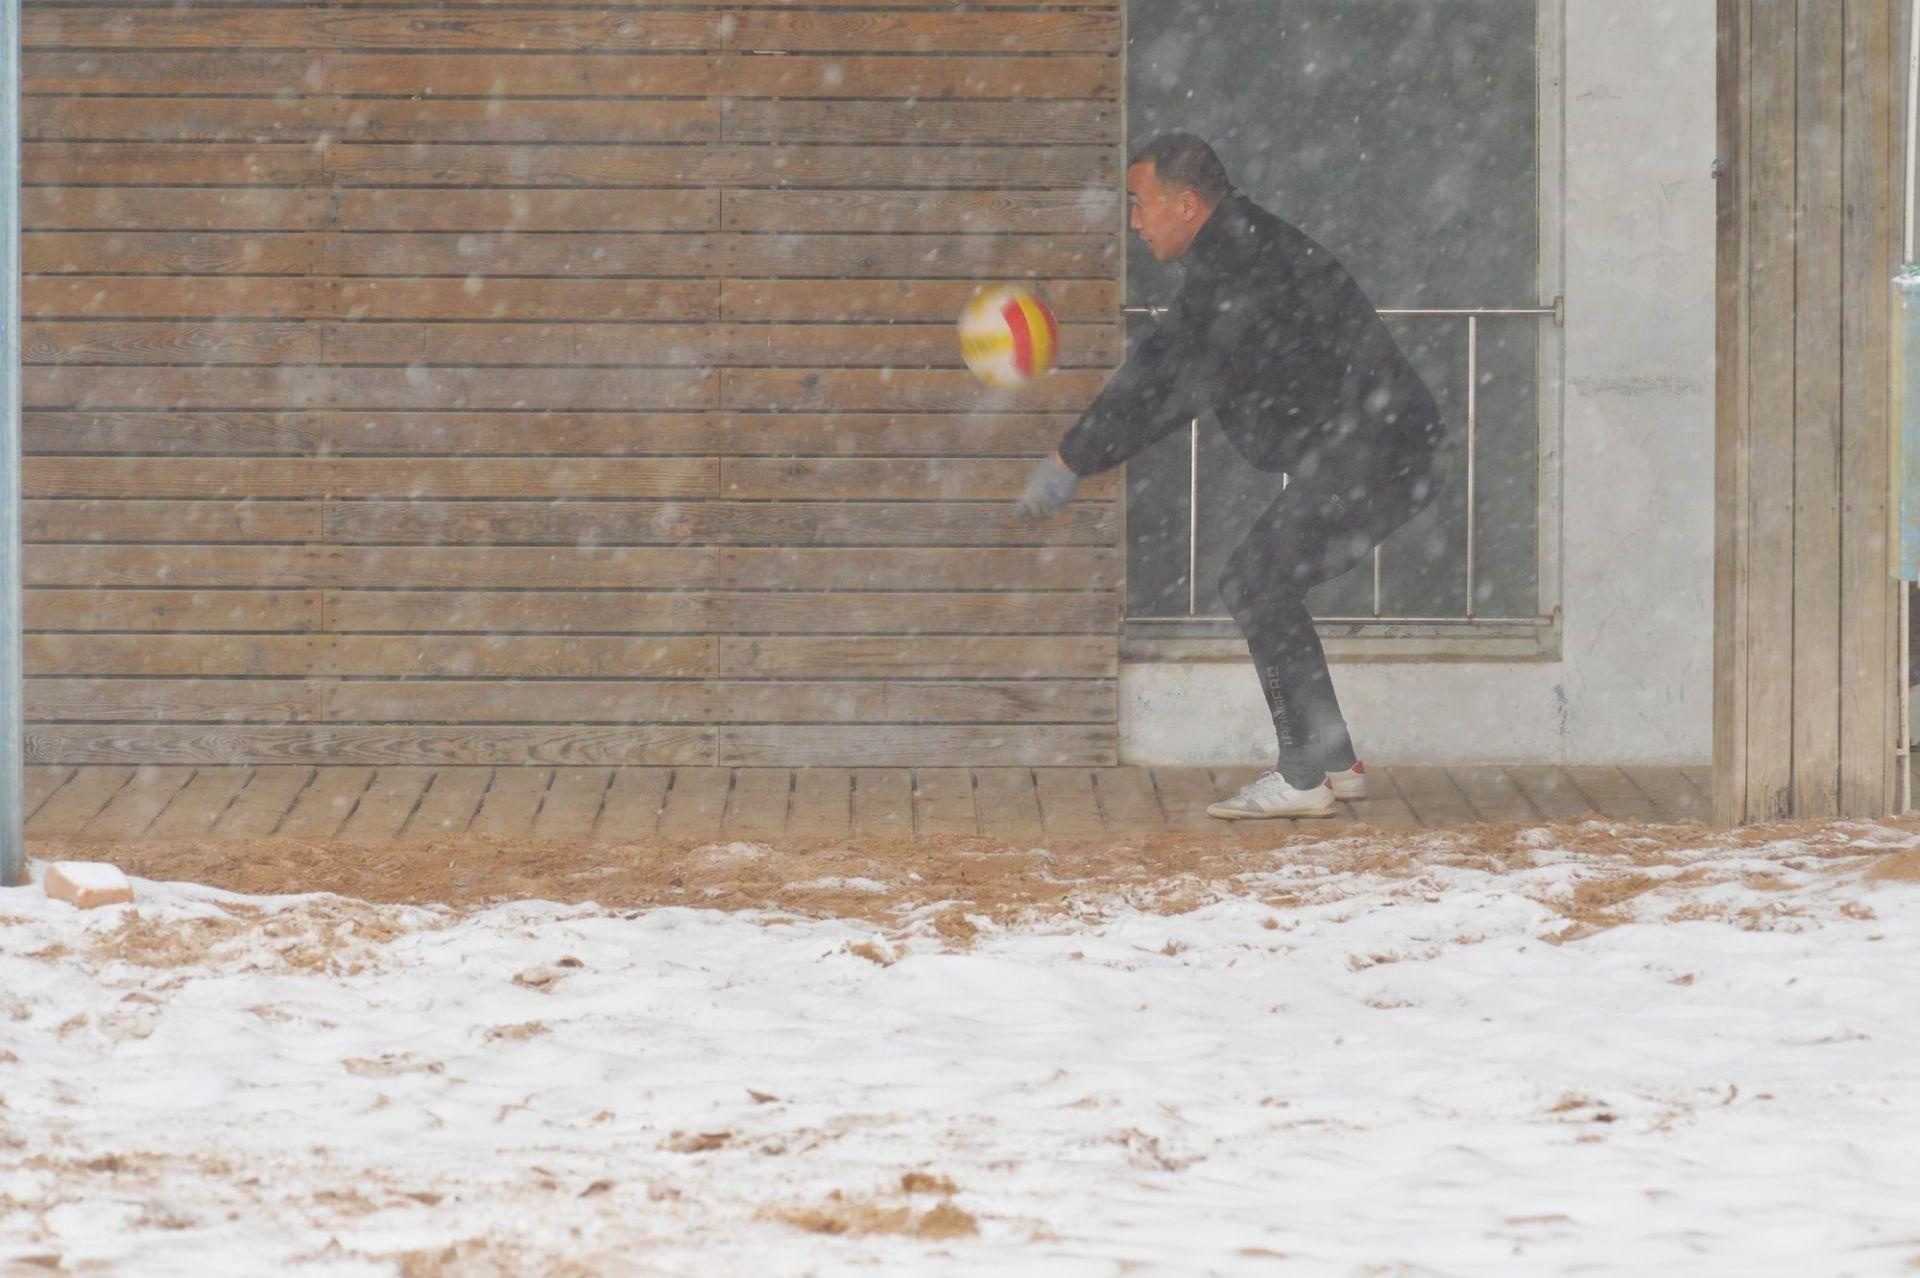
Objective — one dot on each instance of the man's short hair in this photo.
(1183, 160)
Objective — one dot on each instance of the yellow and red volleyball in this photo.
(1008, 336)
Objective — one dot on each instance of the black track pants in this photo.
(1314, 531)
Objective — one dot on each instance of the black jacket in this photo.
(1273, 335)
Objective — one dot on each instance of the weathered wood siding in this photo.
(496, 384)
(1812, 143)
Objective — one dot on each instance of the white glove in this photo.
(1048, 489)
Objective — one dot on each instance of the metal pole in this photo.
(1193, 516)
(1903, 749)
(1473, 427)
(13, 860)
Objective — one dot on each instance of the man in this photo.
(1274, 336)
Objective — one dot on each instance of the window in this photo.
(1417, 140)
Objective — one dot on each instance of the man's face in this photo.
(1166, 218)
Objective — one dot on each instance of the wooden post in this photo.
(13, 860)
(1811, 138)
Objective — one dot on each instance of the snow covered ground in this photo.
(1454, 1069)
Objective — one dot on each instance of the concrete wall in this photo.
(1634, 681)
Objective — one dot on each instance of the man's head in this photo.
(1173, 184)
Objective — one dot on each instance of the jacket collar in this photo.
(1214, 242)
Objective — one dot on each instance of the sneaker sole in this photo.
(1350, 793)
(1236, 814)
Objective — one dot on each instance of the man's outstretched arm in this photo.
(1168, 380)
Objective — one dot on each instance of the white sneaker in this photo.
(1350, 785)
(1271, 796)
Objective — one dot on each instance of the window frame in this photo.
(1202, 639)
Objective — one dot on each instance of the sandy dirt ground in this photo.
(886, 879)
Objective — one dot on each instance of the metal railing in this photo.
(1473, 316)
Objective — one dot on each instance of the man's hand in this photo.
(1048, 489)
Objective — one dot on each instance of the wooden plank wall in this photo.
(1812, 119)
(569, 385)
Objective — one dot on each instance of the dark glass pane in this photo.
(1401, 135)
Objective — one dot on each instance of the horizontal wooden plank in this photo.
(635, 701)
(228, 297)
(506, 253)
(423, 433)
(171, 700)
(1090, 208)
(925, 656)
(880, 479)
(193, 744)
(928, 746)
(168, 476)
(888, 434)
(107, 431)
(143, 71)
(928, 300)
(123, 209)
(169, 252)
(478, 656)
(184, 521)
(919, 612)
(242, 297)
(472, 567)
(888, 346)
(875, 568)
(721, 522)
(521, 210)
(610, 345)
(577, 164)
(924, 77)
(550, 120)
(94, 342)
(426, 567)
(587, 568)
(511, 299)
(789, 4)
(512, 75)
(160, 164)
(523, 612)
(317, 27)
(507, 477)
(170, 654)
(664, 256)
(971, 257)
(824, 31)
(558, 611)
(924, 123)
(821, 345)
(615, 612)
(295, 386)
(176, 119)
(901, 390)
(164, 610)
(230, 300)
(365, 210)
(489, 656)
(52, 386)
(556, 433)
(177, 566)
